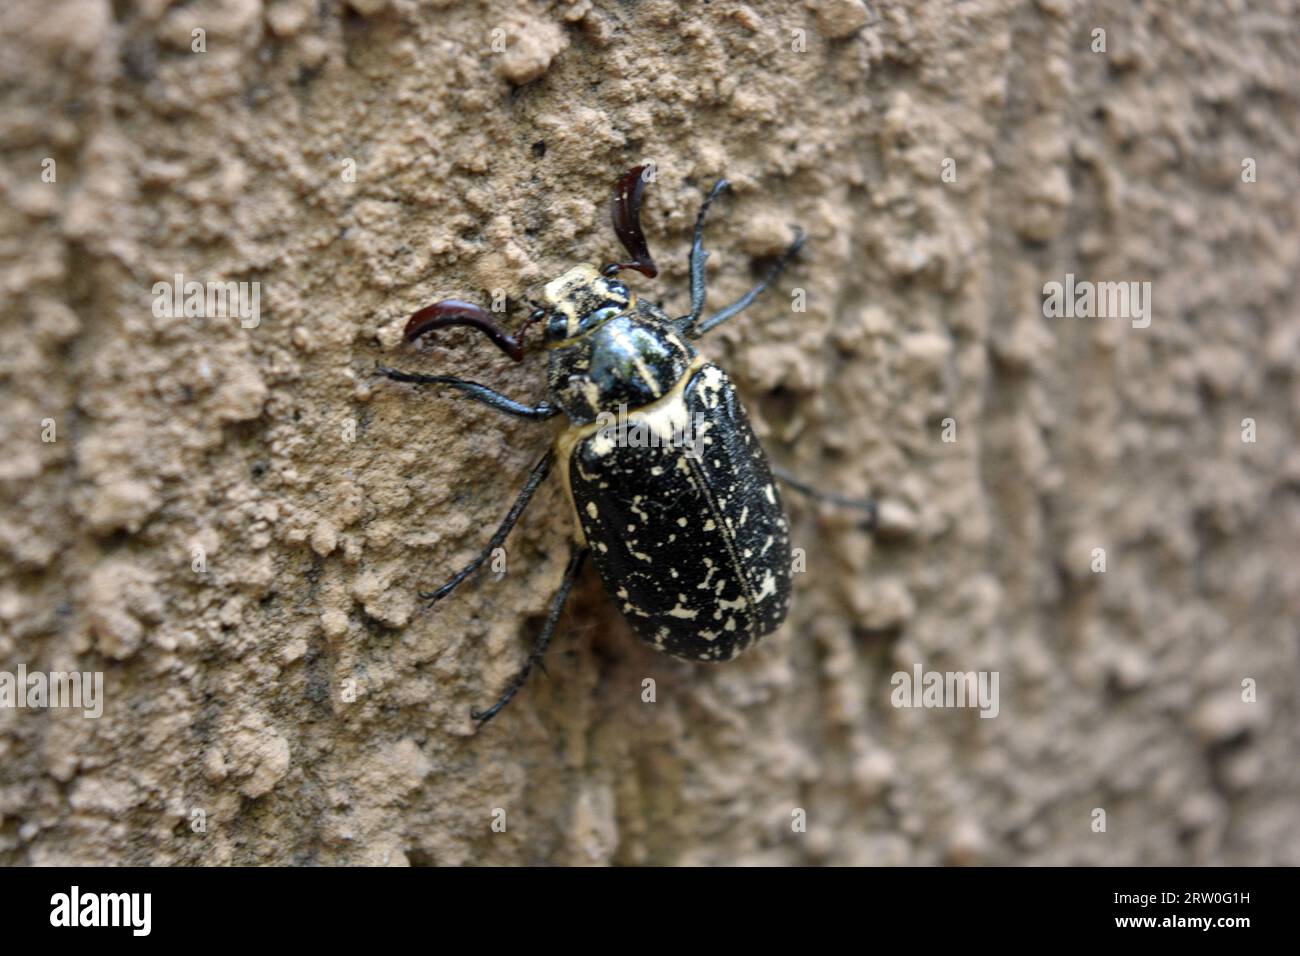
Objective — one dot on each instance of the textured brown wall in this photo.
(226, 690)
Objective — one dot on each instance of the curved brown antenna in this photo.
(625, 211)
(451, 312)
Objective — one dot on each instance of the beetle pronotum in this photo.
(685, 527)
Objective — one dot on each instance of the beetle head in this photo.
(580, 300)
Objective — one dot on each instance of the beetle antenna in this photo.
(625, 212)
(451, 312)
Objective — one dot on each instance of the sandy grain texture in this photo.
(295, 692)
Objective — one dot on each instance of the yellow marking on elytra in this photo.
(684, 613)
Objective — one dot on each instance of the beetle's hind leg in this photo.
(479, 393)
(535, 478)
(711, 323)
(576, 559)
(867, 505)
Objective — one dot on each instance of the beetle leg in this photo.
(479, 393)
(538, 474)
(860, 504)
(698, 257)
(745, 300)
(576, 558)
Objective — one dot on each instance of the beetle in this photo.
(673, 498)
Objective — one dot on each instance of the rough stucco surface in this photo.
(324, 499)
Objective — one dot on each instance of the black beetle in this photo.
(673, 496)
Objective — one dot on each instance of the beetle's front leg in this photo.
(576, 558)
(479, 393)
(538, 475)
(699, 288)
(713, 321)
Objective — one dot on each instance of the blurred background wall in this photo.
(228, 516)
